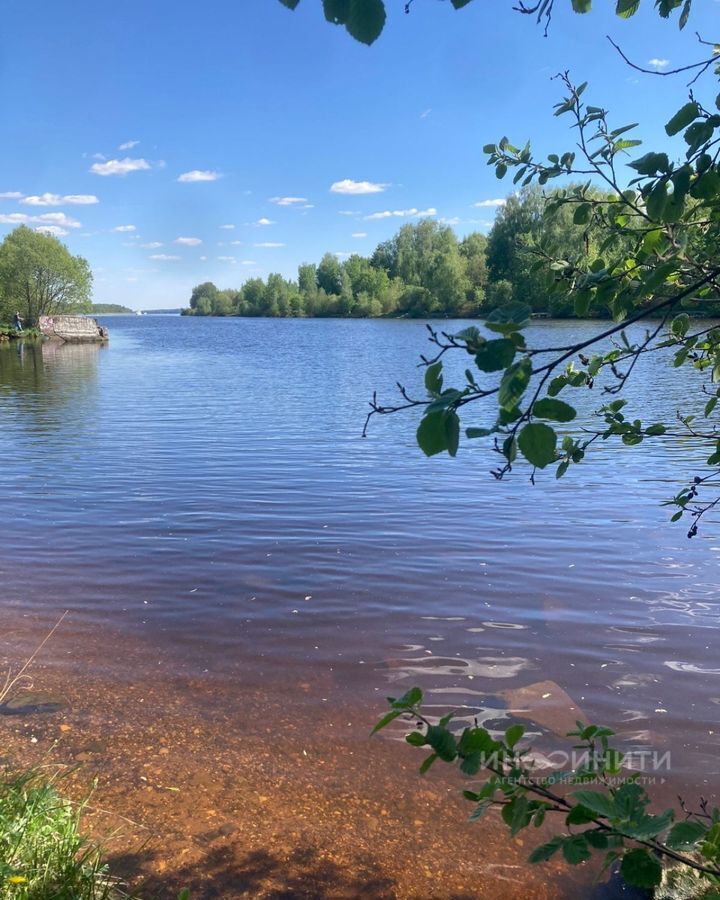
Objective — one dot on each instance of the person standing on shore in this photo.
(18, 322)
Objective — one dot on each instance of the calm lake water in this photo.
(200, 488)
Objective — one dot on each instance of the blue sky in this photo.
(241, 113)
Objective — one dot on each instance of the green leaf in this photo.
(336, 11)
(416, 739)
(495, 355)
(599, 803)
(580, 815)
(458, 4)
(477, 740)
(452, 431)
(546, 851)
(431, 435)
(513, 734)
(697, 134)
(706, 186)
(538, 443)
(479, 432)
(685, 835)
(509, 448)
(683, 117)
(575, 849)
(442, 742)
(291, 4)
(582, 214)
(582, 6)
(509, 318)
(427, 762)
(514, 383)
(516, 814)
(640, 868)
(651, 163)
(386, 720)
(626, 8)
(434, 378)
(680, 325)
(656, 200)
(555, 410)
(597, 839)
(556, 385)
(410, 698)
(366, 20)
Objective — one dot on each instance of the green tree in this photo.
(39, 276)
(253, 292)
(204, 299)
(473, 249)
(329, 274)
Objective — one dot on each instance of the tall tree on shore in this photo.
(39, 276)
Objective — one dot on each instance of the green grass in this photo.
(43, 853)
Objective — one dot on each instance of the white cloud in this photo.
(227, 259)
(11, 195)
(227, 227)
(342, 254)
(59, 200)
(348, 186)
(500, 201)
(15, 219)
(80, 199)
(153, 245)
(164, 256)
(236, 243)
(359, 234)
(188, 241)
(119, 166)
(57, 219)
(402, 213)
(658, 63)
(269, 244)
(128, 145)
(248, 262)
(288, 201)
(198, 175)
(203, 258)
(264, 221)
(454, 220)
(53, 230)
(348, 212)
(124, 228)
(425, 113)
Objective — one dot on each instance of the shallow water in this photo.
(199, 493)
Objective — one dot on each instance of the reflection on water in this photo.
(203, 488)
(47, 387)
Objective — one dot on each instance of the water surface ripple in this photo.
(203, 486)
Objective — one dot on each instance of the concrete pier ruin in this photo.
(72, 328)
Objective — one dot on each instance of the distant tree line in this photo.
(111, 309)
(426, 271)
